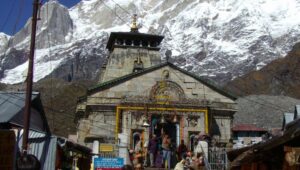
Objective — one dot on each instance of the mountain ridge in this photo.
(280, 77)
(221, 40)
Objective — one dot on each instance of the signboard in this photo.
(106, 147)
(7, 147)
(108, 163)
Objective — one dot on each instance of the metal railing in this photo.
(217, 158)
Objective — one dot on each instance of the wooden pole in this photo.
(29, 79)
(27, 161)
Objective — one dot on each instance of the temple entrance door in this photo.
(172, 129)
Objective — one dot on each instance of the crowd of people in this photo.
(161, 152)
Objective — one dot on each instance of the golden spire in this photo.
(134, 27)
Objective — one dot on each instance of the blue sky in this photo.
(15, 13)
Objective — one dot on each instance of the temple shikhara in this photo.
(139, 95)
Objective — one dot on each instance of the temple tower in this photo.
(130, 52)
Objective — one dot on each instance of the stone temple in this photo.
(139, 95)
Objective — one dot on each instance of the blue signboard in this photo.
(108, 163)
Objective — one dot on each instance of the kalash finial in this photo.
(134, 27)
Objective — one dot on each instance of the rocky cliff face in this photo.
(53, 28)
(3, 41)
(217, 39)
(264, 111)
(280, 77)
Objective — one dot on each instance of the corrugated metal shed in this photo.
(43, 146)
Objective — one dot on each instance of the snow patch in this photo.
(41, 69)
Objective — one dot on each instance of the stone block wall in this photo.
(98, 121)
(97, 124)
(121, 61)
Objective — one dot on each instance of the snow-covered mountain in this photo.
(221, 39)
(3, 41)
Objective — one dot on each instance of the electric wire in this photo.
(261, 101)
(121, 7)
(254, 101)
(126, 11)
(115, 13)
(20, 11)
(250, 100)
(8, 100)
(171, 35)
(243, 92)
(92, 121)
(264, 103)
(8, 15)
(18, 16)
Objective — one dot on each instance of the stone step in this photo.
(148, 168)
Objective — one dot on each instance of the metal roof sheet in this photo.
(11, 103)
(12, 106)
(41, 145)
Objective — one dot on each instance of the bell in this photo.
(175, 120)
(162, 120)
(145, 123)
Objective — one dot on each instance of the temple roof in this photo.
(116, 81)
(148, 40)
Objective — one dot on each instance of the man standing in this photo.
(166, 150)
(152, 149)
(146, 152)
(182, 149)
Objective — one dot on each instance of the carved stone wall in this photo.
(193, 124)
